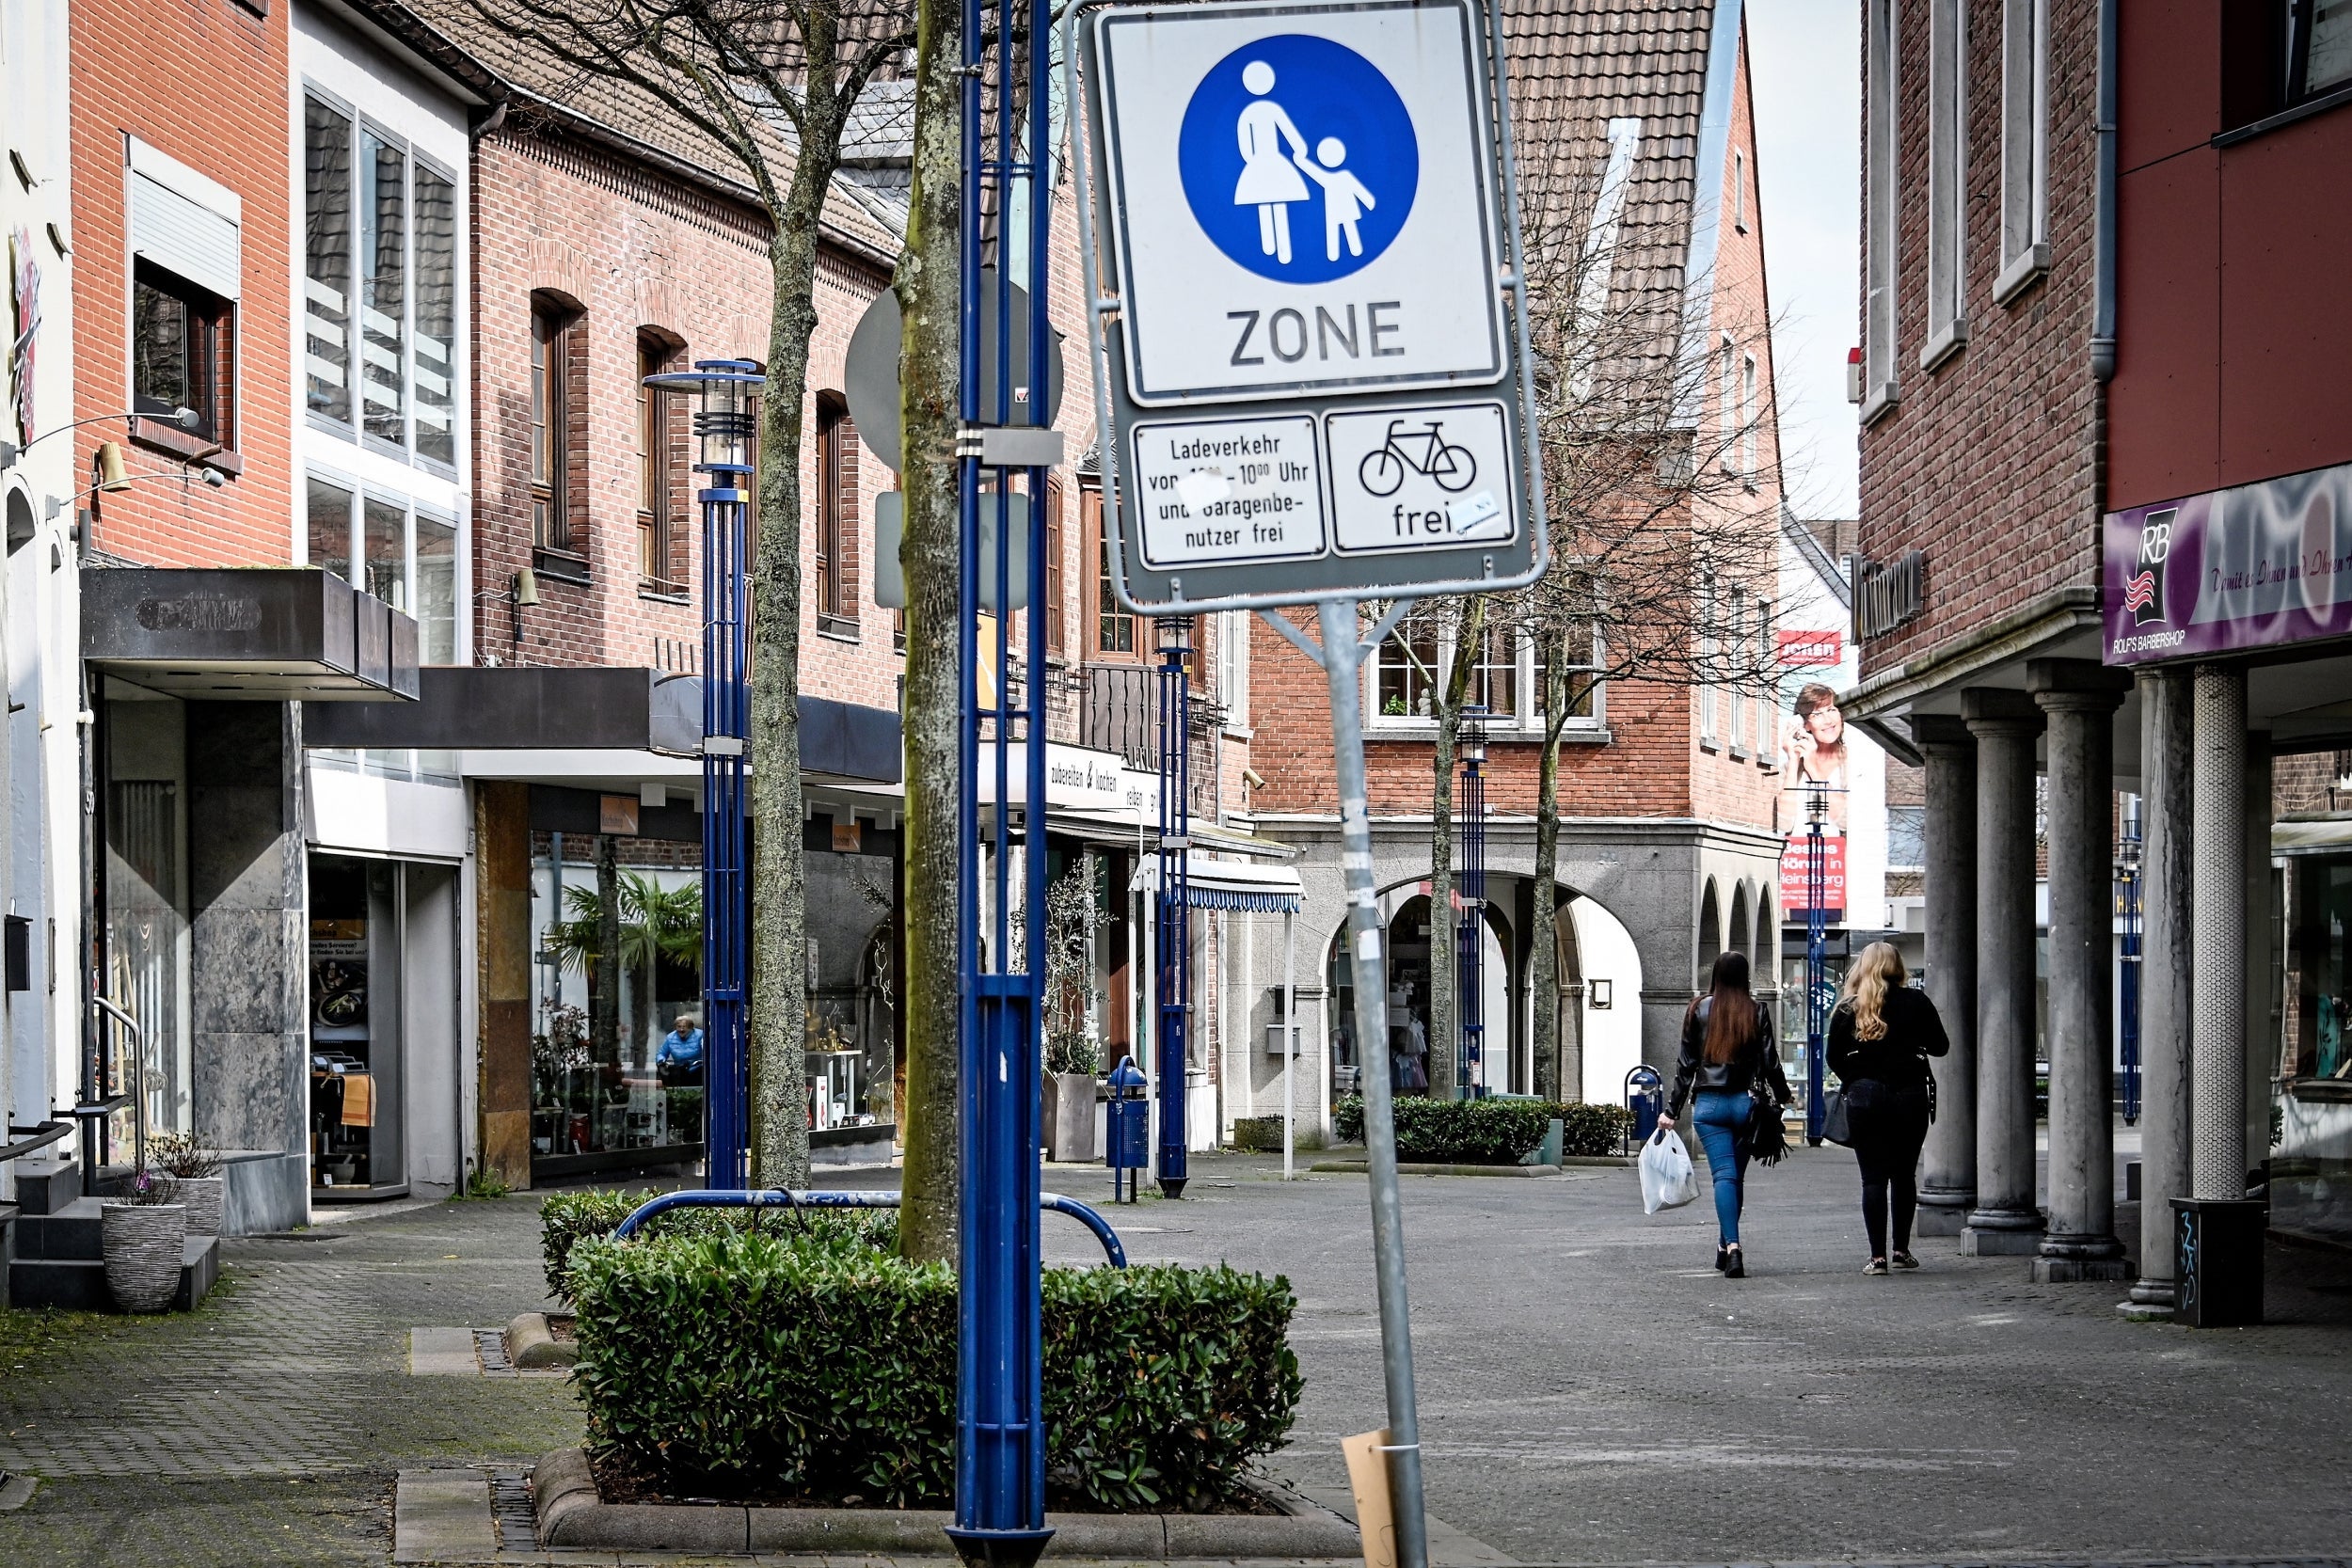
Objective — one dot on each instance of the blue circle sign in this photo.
(1299, 159)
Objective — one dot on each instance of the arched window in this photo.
(1710, 933)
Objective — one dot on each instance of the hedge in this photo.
(826, 1366)
(566, 1219)
(1489, 1132)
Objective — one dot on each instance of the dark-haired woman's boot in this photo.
(1723, 1255)
(1735, 1266)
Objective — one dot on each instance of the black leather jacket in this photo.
(1693, 1071)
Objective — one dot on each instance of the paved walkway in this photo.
(1591, 1390)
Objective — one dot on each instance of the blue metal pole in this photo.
(1000, 1431)
(1815, 966)
(727, 729)
(1470, 898)
(1173, 979)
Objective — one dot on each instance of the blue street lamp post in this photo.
(1000, 878)
(726, 423)
(1815, 956)
(1471, 901)
(1173, 939)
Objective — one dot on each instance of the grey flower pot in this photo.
(202, 1196)
(145, 1244)
(1070, 1115)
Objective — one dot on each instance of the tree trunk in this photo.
(1445, 975)
(778, 1013)
(1543, 982)
(929, 302)
(604, 1028)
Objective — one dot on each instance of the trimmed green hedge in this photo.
(825, 1366)
(568, 1218)
(1490, 1132)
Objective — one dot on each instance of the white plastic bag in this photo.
(1666, 1179)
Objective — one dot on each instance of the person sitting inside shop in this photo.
(680, 1059)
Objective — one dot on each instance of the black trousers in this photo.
(1890, 1127)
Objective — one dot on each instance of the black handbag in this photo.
(1768, 1135)
(1836, 1119)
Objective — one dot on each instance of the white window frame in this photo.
(1233, 668)
(1711, 697)
(1947, 181)
(1594, 723)
(1881, 124)
(1727, 398)
(1767, 689)
(2025, 147)
(1529, 719)
(1735, 626)
(1739, 191)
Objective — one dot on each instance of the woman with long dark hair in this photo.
(1727, 1049)
(1880, 1039)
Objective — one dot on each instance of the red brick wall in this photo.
(206, 84)
(1988, 463)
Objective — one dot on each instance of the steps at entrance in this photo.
(46, 1187)
(74, 1231)
(79, 1285)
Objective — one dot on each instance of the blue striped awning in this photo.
(1235, 886)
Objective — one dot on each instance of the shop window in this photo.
(836, 565)
(404, 554)
(182, 352)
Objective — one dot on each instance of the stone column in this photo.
(1947, 1172)
(2080, 697)
(2167, 959)
(503, 976)
(2217, 1025)
(2005, 1220)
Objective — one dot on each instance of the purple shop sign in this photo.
(2257, 566)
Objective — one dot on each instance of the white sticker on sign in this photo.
(1424, 478)
(1229, 490)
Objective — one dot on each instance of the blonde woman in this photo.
(1880, 1039)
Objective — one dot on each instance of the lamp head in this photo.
(214, 477)
(1472, 736)
(1173, 634)
(187, 419)
(110, 470)
(525, 589)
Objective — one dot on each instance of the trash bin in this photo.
(2217, 1262)
(1645, 1097)
(1126, 1130)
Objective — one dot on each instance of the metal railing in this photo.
(1118, 711)
(785, 1197)
(138, 1079)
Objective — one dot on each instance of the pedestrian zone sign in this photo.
(1312, 379)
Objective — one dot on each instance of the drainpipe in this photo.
(2103, 266)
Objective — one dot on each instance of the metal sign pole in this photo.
(1000, 1427)
(1341, 658)
(1815, 963)
(1173, 979)
(1290, 1033)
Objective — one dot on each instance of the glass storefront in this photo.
(2311, 1127)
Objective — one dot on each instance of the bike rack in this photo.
(784, 1197)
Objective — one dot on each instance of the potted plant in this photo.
(1070, 1055)
(191, 1169)
(145, 1239)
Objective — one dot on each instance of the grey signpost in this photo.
(1307, 329)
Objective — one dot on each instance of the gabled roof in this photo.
(625, 116)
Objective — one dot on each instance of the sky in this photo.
(1805, 68)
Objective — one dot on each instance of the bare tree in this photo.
(772, 83)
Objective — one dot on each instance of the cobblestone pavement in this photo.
(265, 1427)
(1591, 1390)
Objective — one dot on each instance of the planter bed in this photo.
(1419, 1167)
(576, 1511)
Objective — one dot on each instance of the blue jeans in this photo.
(1721, 1116)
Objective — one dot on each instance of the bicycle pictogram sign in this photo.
(1425, 451)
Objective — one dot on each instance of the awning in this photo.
(248, 633)
(2314, 834)
(1235, 886)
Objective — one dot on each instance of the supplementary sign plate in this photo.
(1422, 478)
(1229, 490)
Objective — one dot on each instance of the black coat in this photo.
(1693, 1070)
(1897, 1059)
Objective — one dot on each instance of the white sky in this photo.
(1805, 61)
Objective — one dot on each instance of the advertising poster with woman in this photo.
(1815, 757)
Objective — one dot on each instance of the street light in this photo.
(1470, 904)
(1172, 637)
(726, 422)
(1815, 954)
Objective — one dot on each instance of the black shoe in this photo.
(1904, 1261)
(1875, 1266)
(1735, 1266)
(1723, 1255)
